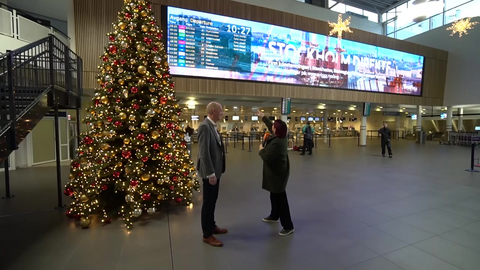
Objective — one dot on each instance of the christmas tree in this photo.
(134, 156)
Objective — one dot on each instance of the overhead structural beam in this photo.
(399, 3)
(338, 2)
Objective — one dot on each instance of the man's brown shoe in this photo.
(212, 241)
(218, 230)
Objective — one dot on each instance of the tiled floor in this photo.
(352, 209)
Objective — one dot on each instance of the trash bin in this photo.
(420, 137)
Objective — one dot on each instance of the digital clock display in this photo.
(208, 45)
(238, 29)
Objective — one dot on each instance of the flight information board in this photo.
(209, 45)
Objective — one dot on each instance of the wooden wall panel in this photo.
(94, 20)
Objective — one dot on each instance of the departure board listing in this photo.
(213, 46)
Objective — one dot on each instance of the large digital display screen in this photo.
(213, 46)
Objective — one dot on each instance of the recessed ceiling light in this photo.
(235, 107)
(294, 111)
(263, 110)
(274, 108)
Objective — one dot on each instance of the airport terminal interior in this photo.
(101, 133)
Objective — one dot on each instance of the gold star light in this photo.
(340, 26)
(461, 27)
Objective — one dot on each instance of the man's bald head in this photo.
(214, 111)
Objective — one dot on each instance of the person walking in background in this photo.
(276, 171)
(210, 166)
(189, 130)
(386, 139)
(307, 139)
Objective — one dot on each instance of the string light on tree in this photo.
(461, 26)
(134, 156)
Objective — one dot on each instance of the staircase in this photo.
(34, 79)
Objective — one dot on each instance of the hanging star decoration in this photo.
(461, 27)
(340, 26)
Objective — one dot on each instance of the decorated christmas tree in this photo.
(134, 156)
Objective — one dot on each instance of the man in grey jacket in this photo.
(210, 166)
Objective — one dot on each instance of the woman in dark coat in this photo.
(276, 170)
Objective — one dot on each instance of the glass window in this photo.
(436, 21)
(392, 35)
(453, 3)
(390, 27)
(384, 17)
(354, 9)
(340, 8)
(390, 14)
(372, 16)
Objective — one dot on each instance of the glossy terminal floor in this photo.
(352, 209)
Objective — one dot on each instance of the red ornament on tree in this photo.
(185, 174)
(156, 146)
(118, 123)
(146, 196)
(69, 214)
(123, 61)
(155, 49)
(126, 154)
(172, 187)
(75, 165)
(174, 178)
(116, 174)
(68, 192)
(116, 62)
(112, 38)
(88, 140)
(109, 119)
(151, 79)
(136, 106)
(133, 183)
(113, 49)
(105, 59)
(97, 102)
(168, 157)
(172, 85)
(178, 200)
(104, 187)
(128, 15)
(145, 159)
(92, 185)
(159, 35)
(141, 136)
(124, 51)
(184, 143)
(169, 126)
(163, 100)
(134, 90)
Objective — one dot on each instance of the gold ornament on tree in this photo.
(85, 222)
(142, 69)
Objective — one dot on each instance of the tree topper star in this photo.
(461, 27)
(340, 26)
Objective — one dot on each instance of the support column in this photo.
(397, 126)
(460, 120)
(418, 127)
(363, 131)
(325, 126)
(449, 119)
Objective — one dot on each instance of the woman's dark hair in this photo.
(280, 128)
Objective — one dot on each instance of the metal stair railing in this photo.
(26, 73)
